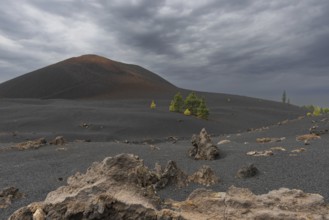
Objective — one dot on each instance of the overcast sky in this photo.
(249, 47)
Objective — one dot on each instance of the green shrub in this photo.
(177, 104)
(309, 114)
(192, 102)
(325, 110)
(187, 112)
(309, 107)
(171, 106)
(317, 111)
(202, 111)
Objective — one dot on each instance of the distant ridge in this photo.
(87, 77)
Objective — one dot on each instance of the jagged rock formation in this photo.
(203, 148)
(171, 175)
(121, 187)
(7, 195)
(204, 176)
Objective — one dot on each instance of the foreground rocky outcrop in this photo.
(121, 187)
(241, 203)
(203, 148)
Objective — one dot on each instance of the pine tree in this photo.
(177, 103)
(284, 97)
(202, 111)
(192, 102)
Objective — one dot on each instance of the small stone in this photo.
(247, 171)
(223, 142)
(278, 149)
(264, 153)
(299, 150)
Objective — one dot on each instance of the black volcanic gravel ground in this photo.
(37, 172)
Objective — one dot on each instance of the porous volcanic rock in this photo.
(121, 187)
(307, 137)
(59, 140)
(171, 175)
(269, 140)
(8, 195)
(34, 144)
(203, 148)
(241, 203)
(204, 176)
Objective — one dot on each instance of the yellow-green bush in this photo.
(317, 111)
(153, 105)
(187, 112)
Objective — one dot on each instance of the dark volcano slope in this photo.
(87, 77)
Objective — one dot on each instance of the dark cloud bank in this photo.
(254, 48)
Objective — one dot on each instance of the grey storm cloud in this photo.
(248, 47)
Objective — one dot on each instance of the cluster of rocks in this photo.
(320, 128)
(121, 187)
(120, 184)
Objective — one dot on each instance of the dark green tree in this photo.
(202, 110)
(284, 97)
(192, 102)
(177, 104)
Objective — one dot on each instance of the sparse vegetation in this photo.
(153, 105)
(192, 104)
(316, 110)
